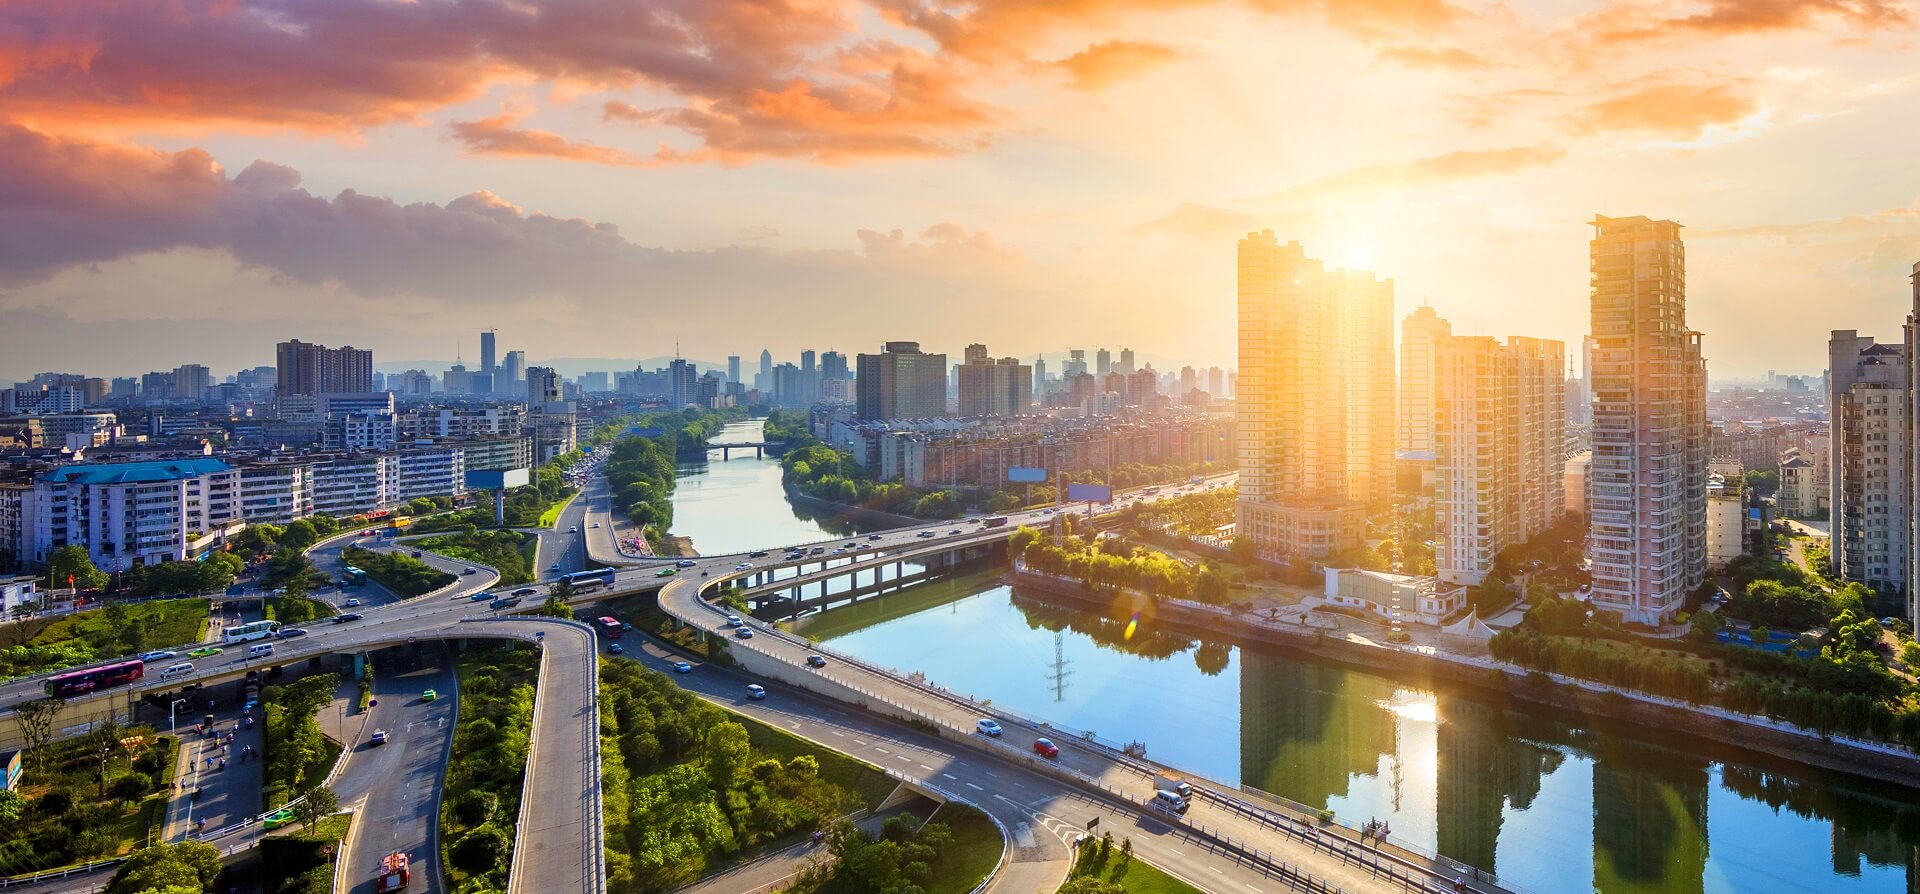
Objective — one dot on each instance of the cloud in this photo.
(1462, 165)
(1674, 111)
(1637, 22)
(1451, 58)
(497, 136)
(1104, 64)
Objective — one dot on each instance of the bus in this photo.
(609, 627)
(102, 677)
(352, 577)
(588, 580)
(246, 633)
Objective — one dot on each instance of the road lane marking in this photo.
(975, 787)
(837, 733)
(882, 750)
(1216, 870)
(926, 768)
(948, 776)
(1250, 885)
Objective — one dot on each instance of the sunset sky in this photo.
(186, 181)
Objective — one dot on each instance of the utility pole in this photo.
(1060, 672)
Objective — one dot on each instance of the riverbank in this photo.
(844, 512)
(1581, 698)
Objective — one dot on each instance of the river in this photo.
(1549, 802)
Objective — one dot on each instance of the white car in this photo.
(159, 655)
(743, 566)
(987, 727)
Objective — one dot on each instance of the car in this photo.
(734, 621)
(554, 567)
(926, 534)
(278, 818)
(743, 633)
(291, 632)
(428, 695)
(574, 530)
(350, 603)
(756, 691)
(416, 554)
(471, 571)
(379, 737)
(839, 550)
(205, 651)
(626, 627)
(816, 661)
(816, 550)
(349, 616)
(526, 591)
(954, 531)
(873, 537)
(596, 524)
(685, 563)
(1045, 748)
(681, 667)
(1048, 512)
(666, 572)
(481, 596)
(757, 554)
(157, 655)
(616, 649)
(743, 566)
(987, 727)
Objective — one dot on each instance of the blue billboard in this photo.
(1026, 475)
(1091, 493)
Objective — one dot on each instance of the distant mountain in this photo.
(567, 366)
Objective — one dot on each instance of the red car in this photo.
(1045, 748)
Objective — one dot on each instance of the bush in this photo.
(481, 851)
(404, 575)
(131, 787)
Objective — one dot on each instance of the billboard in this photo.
(1093, 493)
(497, 479)
(1026, 475)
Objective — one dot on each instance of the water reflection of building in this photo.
(1649, 818)
(1306, 729)
(1484, 767)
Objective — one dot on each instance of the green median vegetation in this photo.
(45, 643)
(508, 552)
(949, 854)
(181, 868)
(295, 754)
(303, 862)
(406, 576)
(1102, 868)
(1111, 565)
(297, 610)
(85, 798)
(481, 801)
(689, 787)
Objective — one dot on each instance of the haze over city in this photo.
(190, 180)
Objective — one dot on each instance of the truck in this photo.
(1173, 784)
(997, 521)
(394, 875)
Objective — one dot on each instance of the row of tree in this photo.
(404, 575)
(1110, 564)
(1662, 673)
(824, 473)
(502, 550)
(490, 746)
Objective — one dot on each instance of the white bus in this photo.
(243, 633)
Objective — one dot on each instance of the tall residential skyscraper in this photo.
(1648, 535)
(1420, 332)
(682, 383)
(1039, 377)
(994, 388)
(1500, 440)
(901, 382)
(733, 367)
(766, 370)
(1216, 381)
(1870, 407)
(487, 354)
(1126, 360)
(543, 386)
(1102, 362)
(1315, 399)
(303, 368)
(508, 378)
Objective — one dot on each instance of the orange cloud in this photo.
(498, 136)
(1104, 64)
(1453, 58)
(1669, 111)
(1462, 165)
(1635, 22)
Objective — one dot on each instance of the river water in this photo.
(1550, 802)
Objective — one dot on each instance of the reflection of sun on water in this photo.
(1416, 706)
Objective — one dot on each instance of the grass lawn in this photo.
(52, 643)
(1139, 877)
(331, 828)
(974, 852)
(93, 824)
(552, 513)
(860, 777)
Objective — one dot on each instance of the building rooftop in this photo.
(135, 473)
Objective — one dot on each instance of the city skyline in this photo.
(966, 165)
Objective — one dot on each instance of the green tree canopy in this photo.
(71, 565)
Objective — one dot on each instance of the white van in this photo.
(259, 650)
(1169, 801)
(174, 670)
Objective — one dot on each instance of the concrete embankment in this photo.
(1501, 682)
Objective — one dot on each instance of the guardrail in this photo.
(82, 869)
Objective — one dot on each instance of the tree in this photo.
(481, 851)
(1088, 884)
(35, 719)
(72, 566)
(168, 868)
(299, 535)
(727, 752)
(319, 803)
(11, 807)
(102, 742)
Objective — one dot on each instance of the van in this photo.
(174, 670)
(756, 692)
(1169, 801)
(259, 650)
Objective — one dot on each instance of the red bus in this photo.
(103, 677)
(609, 627)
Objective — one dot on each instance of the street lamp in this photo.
(171, 709)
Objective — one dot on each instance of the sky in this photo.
(194, 180)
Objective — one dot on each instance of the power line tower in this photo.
(1060, 671)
